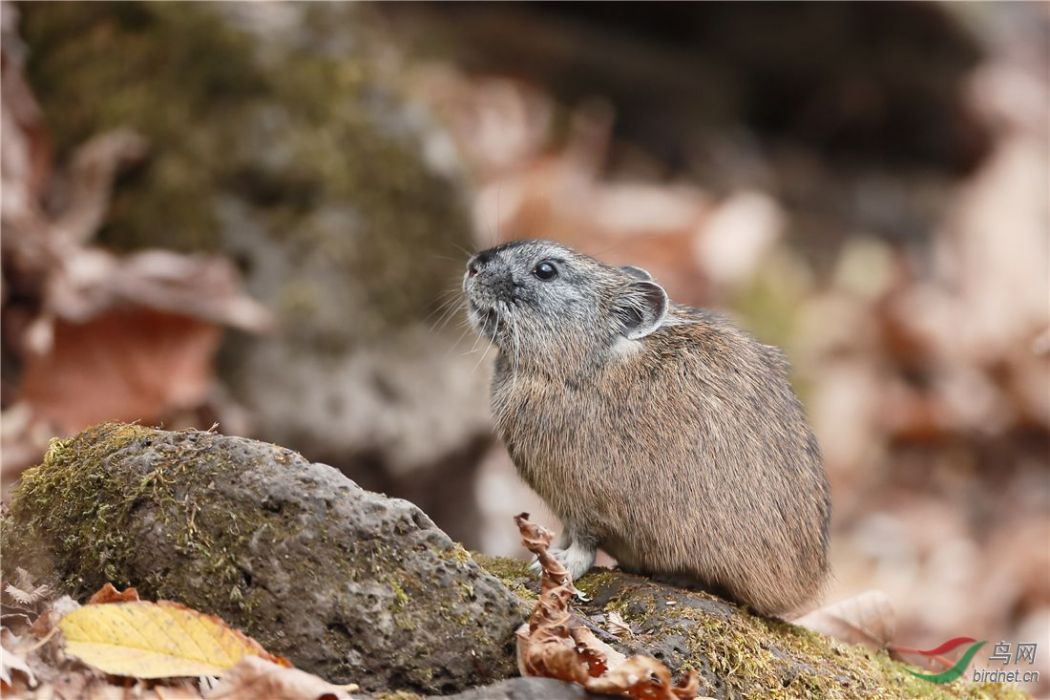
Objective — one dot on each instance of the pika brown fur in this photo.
(656, 431)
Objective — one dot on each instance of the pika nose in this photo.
(478, 262)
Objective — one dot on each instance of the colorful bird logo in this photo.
(958, 668)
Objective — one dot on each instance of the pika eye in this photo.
(545, 270)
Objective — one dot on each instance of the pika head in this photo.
(544, 304)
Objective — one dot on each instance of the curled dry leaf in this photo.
(645, 678)
(546, 647)
(557, 644)
(254, 677)
(109, 594)
(599, 656)
(867, 618)
(537, 539)
(156, 640)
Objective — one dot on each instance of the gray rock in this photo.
(738, 654)
(357, 587)
(348, 584)
(528, 689)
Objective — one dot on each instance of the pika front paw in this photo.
(577, 558)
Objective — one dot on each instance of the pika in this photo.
(658, 432)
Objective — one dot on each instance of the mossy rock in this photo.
(739, 654)
(357, 587)
(348, 584)
(526, 689)
(280, 137)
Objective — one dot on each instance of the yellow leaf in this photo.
(155, 640)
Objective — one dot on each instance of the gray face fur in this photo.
(548, 306)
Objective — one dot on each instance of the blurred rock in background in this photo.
(280, 139)
(865, 185)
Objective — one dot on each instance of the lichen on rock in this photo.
(348, 584)
(357, 587)
(740, 654)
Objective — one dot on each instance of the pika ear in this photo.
(641, 308)
(636, 272)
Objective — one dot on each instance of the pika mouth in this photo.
(485, 319)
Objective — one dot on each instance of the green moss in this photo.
(92, 70)
(757, 657)
(79, 482)
(399, 695)
(457, 553)
(514, 574)
(400, 597)
(313, 148)
(72, 477)
(404, 617)
(91, 503)
(595, 580)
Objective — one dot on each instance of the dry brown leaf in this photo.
(77, 685)
(537, 539)
(645, 678)
(556, 644)
(47, 621)
(255, 678)
(599, 656)
(130, 364)
(27, 596)
(109, 594)
(23, 579)
(88, 281)
(867, 618)
(545, 645)
(97, 336)
(55, 675)
(94, 166)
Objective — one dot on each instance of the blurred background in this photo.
(257, 215)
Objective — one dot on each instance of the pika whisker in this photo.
(449, 309)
